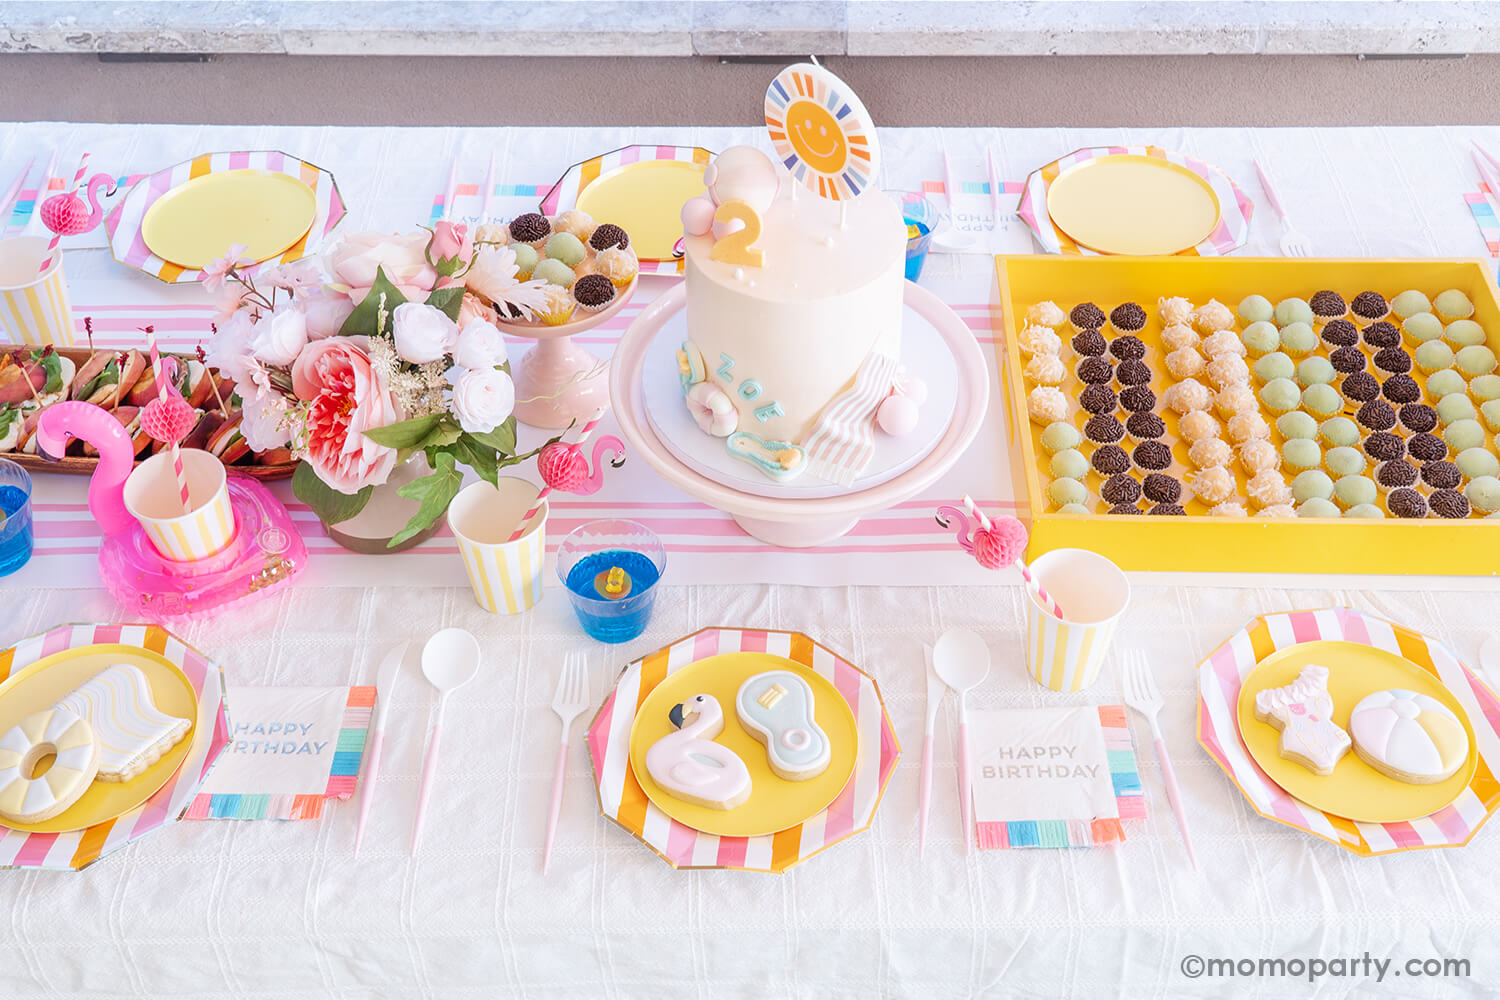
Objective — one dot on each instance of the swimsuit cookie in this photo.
(776, 707)
(690, 766)
(1302, 710)
(1408, 736)
(132, 732)
(25, 798)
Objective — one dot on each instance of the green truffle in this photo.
(1364, 510)
(1454, 407)
(1060, 436)
(1433, 356)
(1353, 491)
(1312, 483)
(1323, 400)
(1476, 463)
(1409, 303)
(1260, 337)
(526, 258)
(1293, 310)
(1490, 411)
(1422, 326)
(1298, 339)
(554, 272)
(1297, 424)
(1069, 464)
(1484, 493)
(1340, 431)
(1065, 491)
(1485, 387)
(1463, 333)
(1444, 383)
(1280, 395)
(1302, 453)
(1463, 434)
(1345, 461)
(1073, 508)
(1317, 507)
(567, 248)
(1314, 371)
(1255, 309)
(1275, 365)
(1476, 359)
(1453, 304)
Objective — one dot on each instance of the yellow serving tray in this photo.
(195, 223)
(39, 685)
(1198, 543)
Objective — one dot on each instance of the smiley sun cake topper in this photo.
(822, 132)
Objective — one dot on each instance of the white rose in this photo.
(279, 337)
(479, 346)
(423, 333)
(482, 398)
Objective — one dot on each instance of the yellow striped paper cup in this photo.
(153, 499)
(1066, 654)
(34, 308)
(506, 576)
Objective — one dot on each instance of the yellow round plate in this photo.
(645, 198)
(774, 802)
(39, 685)
(1131, 204)
(195, 223)
(1354, 790)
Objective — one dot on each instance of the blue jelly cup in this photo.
(16, 535)
(921, 219)
(584, 563)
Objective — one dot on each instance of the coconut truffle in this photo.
(1185, 363)
(1223, 342)
(1212, 316)
(1247, 427)
(1229, 369)
(1212, 485)
(1046, 314)
(1046, 404)
(1210, 452)
(1175, 309)
(1196, 425)
(1186, 396)
(1178, 336)
(1038, 340)
(1267, 489)
(1044, 369)
(1259, 455)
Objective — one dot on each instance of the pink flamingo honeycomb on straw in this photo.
(996, 544)
(168, 418)
(563, 467)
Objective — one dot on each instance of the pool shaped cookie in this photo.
(1408, 736)
(776, 707)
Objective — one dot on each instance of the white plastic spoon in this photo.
(449, 661)
(962, 660)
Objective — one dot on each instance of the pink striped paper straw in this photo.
(162, 394)
(452, 191)
(541, 497)
(1041, 592)
(83, 166)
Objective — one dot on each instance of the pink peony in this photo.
(347, 396)
(403, 258)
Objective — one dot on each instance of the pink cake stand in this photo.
(549, 377)
(794, 522)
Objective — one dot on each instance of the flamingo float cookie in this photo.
(776, 707)
(132, 732)
(690, 766)
(1302, 710)
(1408, 736)
(28, 797)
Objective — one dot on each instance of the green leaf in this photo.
(362, 321)
(433, 492)
(329, 504)
(477, 456)
(406, 434)
(502, 438)
(448, 300)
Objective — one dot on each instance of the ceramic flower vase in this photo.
(370, 531)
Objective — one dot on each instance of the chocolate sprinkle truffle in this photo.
(1098, 399)
(1384, 447)
(1124, 508)
(1086, 316)
(1382, 335)
(1401, 389)
(1393, 360)
(1370, 305)
(1133, 372)
(1127, 348)
(1418, 417)
(1347, 360)
(1169, 509)
(1360, 387)
(1376, 415)
(1103, 429)
(1140, 398)
(1328, 304)
(1340, 333)
(1449, 503)
(1427, 448)
(530, 227)
(1396, 473)
(1128, 318)
(1406, 502)
(1146, 426)
(593, 291)
(1120, 489)
(1095, 371)
(1441, 475)
(1089, 343)
(1111, 460)
(1152, 455)
(1161, 488)
(609, 235)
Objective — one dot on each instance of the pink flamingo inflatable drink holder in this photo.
(263, 554)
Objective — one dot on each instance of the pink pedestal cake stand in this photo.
(549, 377)
(794, 522)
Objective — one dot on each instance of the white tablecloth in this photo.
(269, 910)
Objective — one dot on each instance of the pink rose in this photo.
(451, 249)
(347, 396)
(473, 309)
(326, 312)
(356, 259)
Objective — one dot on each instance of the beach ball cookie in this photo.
(27, 797)
(1302, 710)
(1408, 736)
(776, 707)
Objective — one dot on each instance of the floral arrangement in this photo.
(384, 348)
